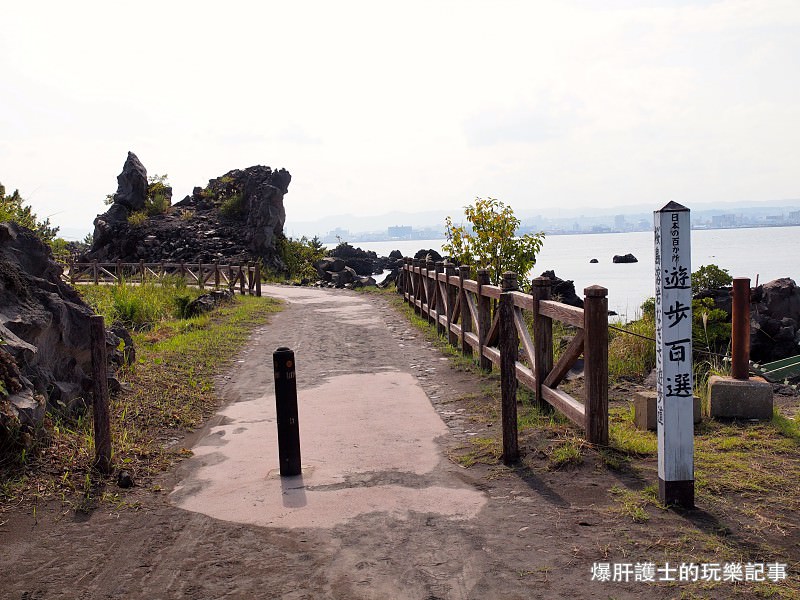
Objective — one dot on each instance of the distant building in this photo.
(619, 223)
(723, 220)
(400, 232)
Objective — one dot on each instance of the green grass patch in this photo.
(565, 455)
(485, 450)
(140, 306)
(633, 504)
(631, 353)
(172, 392)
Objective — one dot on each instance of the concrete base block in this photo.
(740, 399)
(644, 410)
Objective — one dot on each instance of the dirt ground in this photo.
(536, 533)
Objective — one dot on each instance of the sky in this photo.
(412, 106)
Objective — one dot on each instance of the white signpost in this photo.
(675, 408)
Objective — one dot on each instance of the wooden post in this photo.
(251, 284)
(231, 280)
(163, 272)
(740, 329)
(509, 344)
(258, 280)
(431, 297)
(71, 271)
(241, 281)
(466, 315)
(484, 318)
(440, 299)
(216, 274)
(595, 354)
(141, 269)
(95, 273)
(416, 290)
(200, 278)
(450, 271)
(119, 271)
(674, 376)
(542, 340)
(183, 270)
(102, 425)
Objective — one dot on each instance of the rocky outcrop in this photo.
(775, 320)
(45, 359)
(236, 218)
(563, 291)
(624, 258)
(333, 272)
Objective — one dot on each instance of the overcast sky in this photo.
(378, 106)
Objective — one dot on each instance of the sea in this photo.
(760, 253)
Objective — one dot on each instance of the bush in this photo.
(232, 207)
(492, 243)
(300, 256)
(137, 218)
(710, 277)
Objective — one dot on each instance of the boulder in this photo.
(594, 261)
(562, 290)
(44, 325)
(208, 302)
(426, 254)
(132, 184)
(774, 319)
(624, 258)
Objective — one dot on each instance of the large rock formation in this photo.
(237, 217)
(775, 320)
(45, 357)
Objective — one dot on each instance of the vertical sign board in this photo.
(675, 409)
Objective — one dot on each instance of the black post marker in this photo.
(286, 405)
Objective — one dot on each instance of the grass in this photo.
(140, 306)
(631, 354)
(172, 392)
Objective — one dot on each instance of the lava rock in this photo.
(625, 258)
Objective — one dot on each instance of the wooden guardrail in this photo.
(489, 321)
(247, 277)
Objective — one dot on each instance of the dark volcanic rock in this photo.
(562, 290)
(236, 218)
(44, 326)
(626, 258)
(594, 261)
(132, 184)
(424, 254)
(774, 320)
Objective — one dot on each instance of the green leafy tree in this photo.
(710, 277)
(300, 256)
(492, 242)
(13, 209)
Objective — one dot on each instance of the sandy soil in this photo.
(380, 511)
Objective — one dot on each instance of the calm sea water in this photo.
(765, 253)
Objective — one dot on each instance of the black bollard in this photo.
(286, 405)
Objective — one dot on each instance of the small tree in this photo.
(13, 209)
(493, 243)
(710, 277)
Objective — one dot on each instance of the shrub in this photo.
(300, 256)
(710, 277)
(492, 243)
(233, 206)
(137, 218)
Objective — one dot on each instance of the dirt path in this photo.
(379, 513)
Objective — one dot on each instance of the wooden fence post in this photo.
(484, 318)
(102, 425)
(183, 270)
(466, 315)
(450, 271)
(430, 297)
(250, 281)
(71, 271)
(216, 274)
(258, 279)
(200, 278)
(542, 340)
(440, 299)
(241, 281)
(119, 272)
(417, 293)
(509, 344)
(595, 354)
(95, 273)
(141, 269)
(231, 280)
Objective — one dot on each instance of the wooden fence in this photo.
(212, 275)
(489, 321)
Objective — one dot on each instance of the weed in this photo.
(565, 455)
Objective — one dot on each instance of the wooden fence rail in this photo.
(212, 275)
(489, 321)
